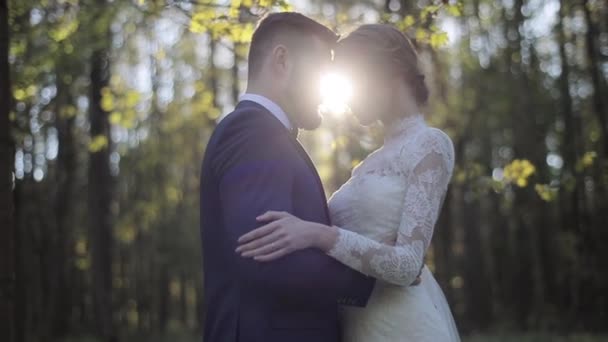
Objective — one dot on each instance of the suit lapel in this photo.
(313, 170)
(301, 151)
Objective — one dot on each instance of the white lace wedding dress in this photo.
(394, 197)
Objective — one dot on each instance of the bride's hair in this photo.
(391, 51)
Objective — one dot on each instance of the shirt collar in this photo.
(271, 106)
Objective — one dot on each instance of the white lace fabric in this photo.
(405, 181)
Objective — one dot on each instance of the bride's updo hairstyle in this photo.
(388, 51)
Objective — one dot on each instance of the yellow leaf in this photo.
(454, 10)
(132, 98)
(173, 194)
(439, 39)
(588, 159)
(19, 94)
(421, 35)
(81, 247)
(31, 90)
(518, 172)
(265, 3)
(107, 103)
(126, 234)
(408, 21)
(213, 113)
(64, 30)
(115, 118)
(67, 112)
(545, 192)
(342, 18)
(68, 48)
(107, 100)
(522, 182)
(201, 20)
(83, 264)
(234, 12)
(243, 33)
(98, 143)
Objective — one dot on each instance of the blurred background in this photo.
(106, 107)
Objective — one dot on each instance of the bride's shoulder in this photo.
(429, 138)
(426, 141)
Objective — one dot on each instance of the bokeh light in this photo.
(336, 92)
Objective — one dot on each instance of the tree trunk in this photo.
(592, 243)
(477, 287)
(573, 202)
(164, 297)
(60, 301)
(523, 132)
(7, 223)
(100, 197)
(183, 302)
(599, 104)
(235, 75)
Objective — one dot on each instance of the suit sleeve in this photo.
(256, 176)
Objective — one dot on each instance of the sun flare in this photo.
(336, 92)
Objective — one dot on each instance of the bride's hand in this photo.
(282, 234)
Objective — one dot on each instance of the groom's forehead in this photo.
(322, 48)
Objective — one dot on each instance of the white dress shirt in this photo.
(271, 106)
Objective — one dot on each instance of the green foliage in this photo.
(98, 143)
(224, 22)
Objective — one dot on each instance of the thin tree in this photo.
(7, 151)
(100, 185)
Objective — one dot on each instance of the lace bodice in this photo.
(387, 210)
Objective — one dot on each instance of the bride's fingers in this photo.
(257, 243)
(258, 233)
(272, 216)
(266, 249)
(272, 256)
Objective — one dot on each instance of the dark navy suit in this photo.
(253, 164)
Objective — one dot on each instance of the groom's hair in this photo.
(296, 26)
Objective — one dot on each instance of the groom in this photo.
(253, 163)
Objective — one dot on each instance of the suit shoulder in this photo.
(246, 135)
(246, 123)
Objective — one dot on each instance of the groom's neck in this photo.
(266, 89)
(274, 95)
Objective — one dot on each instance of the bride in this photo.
(384, 215)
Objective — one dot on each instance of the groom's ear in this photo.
(279, 59)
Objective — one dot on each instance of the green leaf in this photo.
(408, 21)
(545, 192)
(107, 100)
(454, 10)
(67, 112)
(115, 118)
(64, 30)
(421, 35)
(439, 39)
(98, 143)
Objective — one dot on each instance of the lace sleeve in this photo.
(426, 187)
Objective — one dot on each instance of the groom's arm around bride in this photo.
(260, 175)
